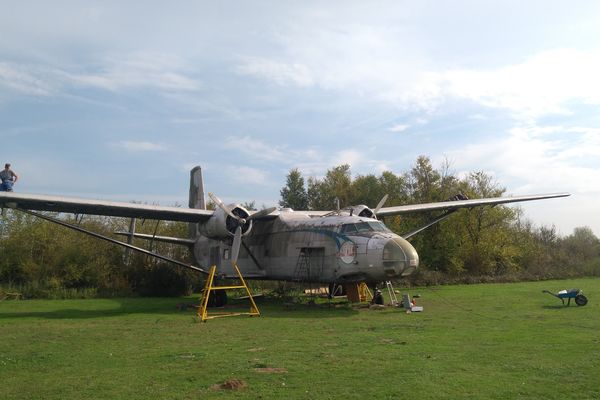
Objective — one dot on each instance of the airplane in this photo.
(343, 246)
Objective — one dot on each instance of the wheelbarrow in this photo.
(576, 294)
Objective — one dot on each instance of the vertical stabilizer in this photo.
(196, 197)
(196, 189)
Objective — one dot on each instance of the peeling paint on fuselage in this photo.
(279, 244)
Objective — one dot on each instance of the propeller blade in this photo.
(235, 247)
(262, 213)
(381, 203)
(222, 205)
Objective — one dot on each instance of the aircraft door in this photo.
(317, 258)
(310, 264)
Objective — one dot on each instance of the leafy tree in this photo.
(395, 187)
(367, 190)
(583, 243)
(293, 194)
(50, 258)
(424, 181)
(336, 184)
(249, 205)
(488, 245)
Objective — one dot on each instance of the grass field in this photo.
(500, 341)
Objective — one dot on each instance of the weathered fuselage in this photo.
(297, 247)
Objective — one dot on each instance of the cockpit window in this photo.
(363, 227)
(378, 226)
(375, 226)
(348, 228)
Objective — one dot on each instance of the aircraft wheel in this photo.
(218, 298)
(581, 300)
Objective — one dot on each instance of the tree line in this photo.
(480, 244)
(41, 259)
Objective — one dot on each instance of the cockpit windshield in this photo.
(361, 227)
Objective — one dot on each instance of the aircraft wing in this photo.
(100, 207)
(456, 204)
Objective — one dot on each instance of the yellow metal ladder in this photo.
(208, 288)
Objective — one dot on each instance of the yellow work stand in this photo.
(208, 288)
(364, 293)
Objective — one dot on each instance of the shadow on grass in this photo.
(307, 311)
(562, 307)
(110, 308)
(95, 308)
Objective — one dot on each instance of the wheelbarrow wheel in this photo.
(581, 300)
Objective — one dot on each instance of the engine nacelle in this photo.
(222, 226)
(362, 211)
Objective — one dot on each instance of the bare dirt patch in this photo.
(232, 384)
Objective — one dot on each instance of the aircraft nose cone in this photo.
(400, 257)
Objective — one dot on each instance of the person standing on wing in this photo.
(8, 177)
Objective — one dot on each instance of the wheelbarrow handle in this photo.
(550, 293)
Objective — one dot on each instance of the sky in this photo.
(120, 99)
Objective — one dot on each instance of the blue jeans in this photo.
(6, 186)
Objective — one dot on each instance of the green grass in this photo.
(500, 341)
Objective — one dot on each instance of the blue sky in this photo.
(118, 100)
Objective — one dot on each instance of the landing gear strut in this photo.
(335, 289)
(218, 298)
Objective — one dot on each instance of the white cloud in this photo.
(588, 144)
(349, 156)
(543, 84)
(279, 72)
(361, 162)
(248, 175)
(24, 80)
(159, 71)
(155, 70)
(140, 146)
(549, 158)
(256, 148)
(365, 61)
(399, 128)
(477, 117)
(310, 161)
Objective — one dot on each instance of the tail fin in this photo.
(196, 196)
(196, 189)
